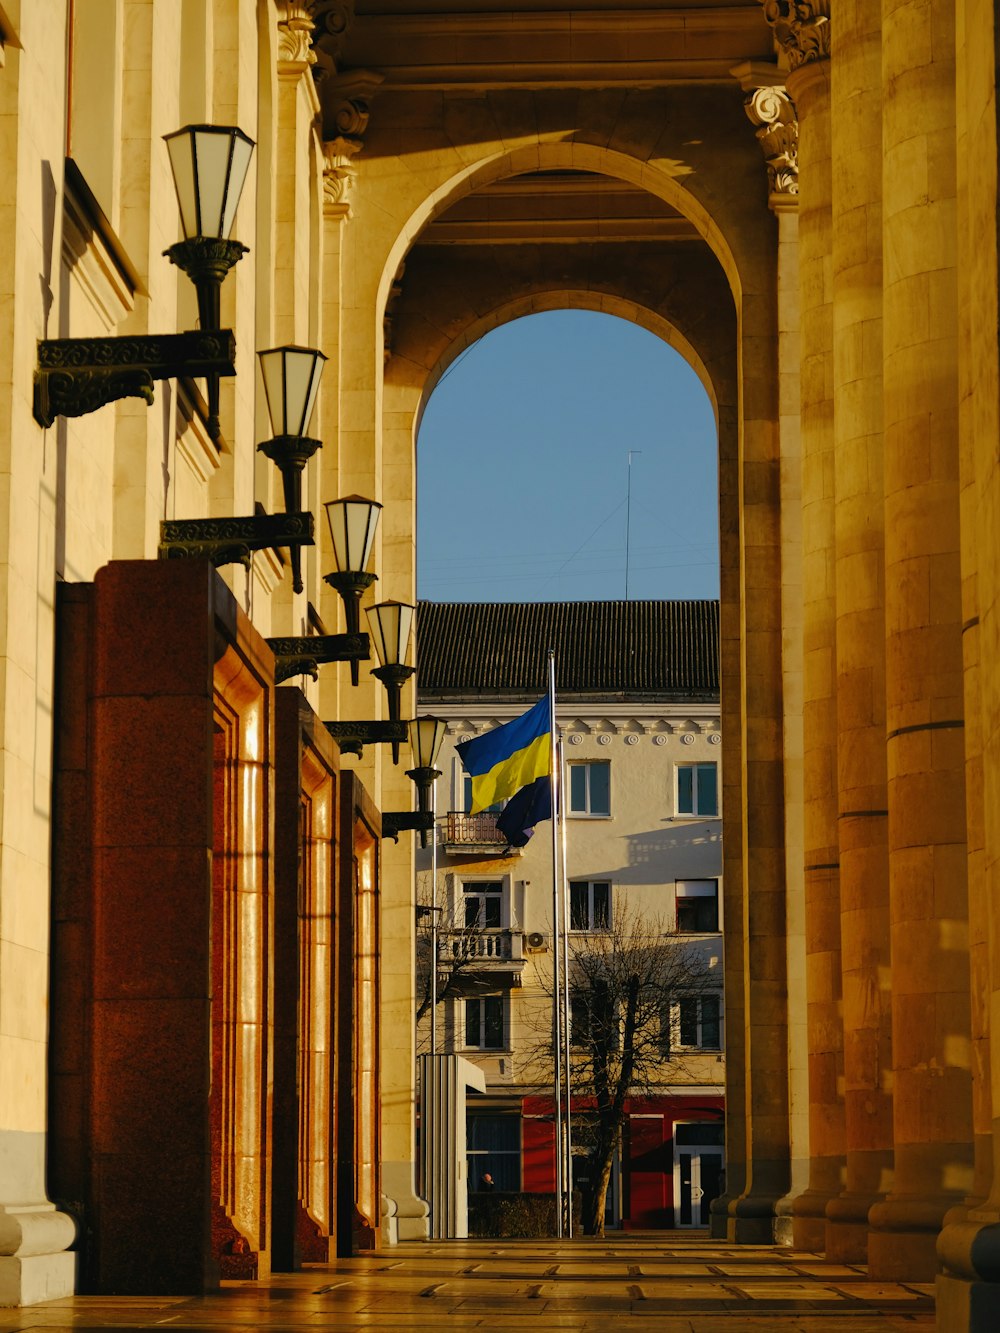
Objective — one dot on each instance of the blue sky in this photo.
(523, 468)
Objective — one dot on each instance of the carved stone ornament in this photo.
(339, 173)
(773, 112)
(331, 21)
(295, 33)
(801, 28)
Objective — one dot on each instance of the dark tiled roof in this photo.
(664, 650)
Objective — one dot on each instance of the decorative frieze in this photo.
(773, 113)
(801, 28)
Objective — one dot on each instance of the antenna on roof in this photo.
(628, 514)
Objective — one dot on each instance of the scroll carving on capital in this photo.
(801, 28)
(295, 33)
(331, 21)
(772, 111)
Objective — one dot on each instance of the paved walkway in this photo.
(648, 1283)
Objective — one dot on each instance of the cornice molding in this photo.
(630, 48)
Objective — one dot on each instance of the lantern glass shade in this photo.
(291, 383)
(426, 737)
(209, 164)
(390, 624)
(352, 522)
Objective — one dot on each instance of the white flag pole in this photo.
(556, 1015)
(567, 1014)
(434, 918)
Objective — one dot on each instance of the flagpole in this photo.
(434, 917)
(556, 1016)
(567, 1015)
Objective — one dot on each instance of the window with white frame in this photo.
(590, 905)
(696, 1023)
(590, 788)
(483, 904)
(696, 906)
(484, 1023)
(697, 789)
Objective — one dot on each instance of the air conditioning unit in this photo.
(536, 942)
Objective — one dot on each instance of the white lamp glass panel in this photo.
(426, 737)
(352, 530)
(212, 154)
(272, 372)
(303, 370)
(242, 152)
(182, 167)
(390, 624)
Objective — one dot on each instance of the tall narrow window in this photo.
(697, 789)
(696, 1023)
(484, 1023)
(590, 905)
(590, 788)
(483, 904)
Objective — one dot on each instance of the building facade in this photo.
(637, 711)
(802, 199)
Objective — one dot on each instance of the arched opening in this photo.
(567, 459)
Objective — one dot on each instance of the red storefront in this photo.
(672, 1158)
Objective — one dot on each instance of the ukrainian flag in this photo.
(513, 762)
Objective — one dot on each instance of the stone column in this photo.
(968, 1290)
(809, 85)
(924, 669)
(856, 78)
(772, 112)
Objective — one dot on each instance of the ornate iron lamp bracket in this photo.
(303, 656)
(353, 736)
(230, 541)
(78, 375)
(395, 821)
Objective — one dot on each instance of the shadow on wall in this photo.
(693, 850)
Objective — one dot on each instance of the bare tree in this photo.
(626, 985)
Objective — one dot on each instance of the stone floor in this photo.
(647, 1283)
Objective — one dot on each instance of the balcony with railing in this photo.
(467, 835)
(482, 958)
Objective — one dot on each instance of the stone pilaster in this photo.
(924, 668)
(856, 78)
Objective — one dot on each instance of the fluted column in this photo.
(924, 668)
(856, 78)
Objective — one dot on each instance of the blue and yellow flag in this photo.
(513, 763)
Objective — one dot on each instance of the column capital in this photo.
(801, 29)
(771, 110)
(346, 100)
(339, 175)
(295, 34)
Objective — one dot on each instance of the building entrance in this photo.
(699, 1172)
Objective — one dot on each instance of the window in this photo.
(696, 1023)
(697, 906)
(593, 1019)
(493, 1147)
(590, 788)
(484, 1023)
(697, 789)
(590, 906)
(483, 904)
